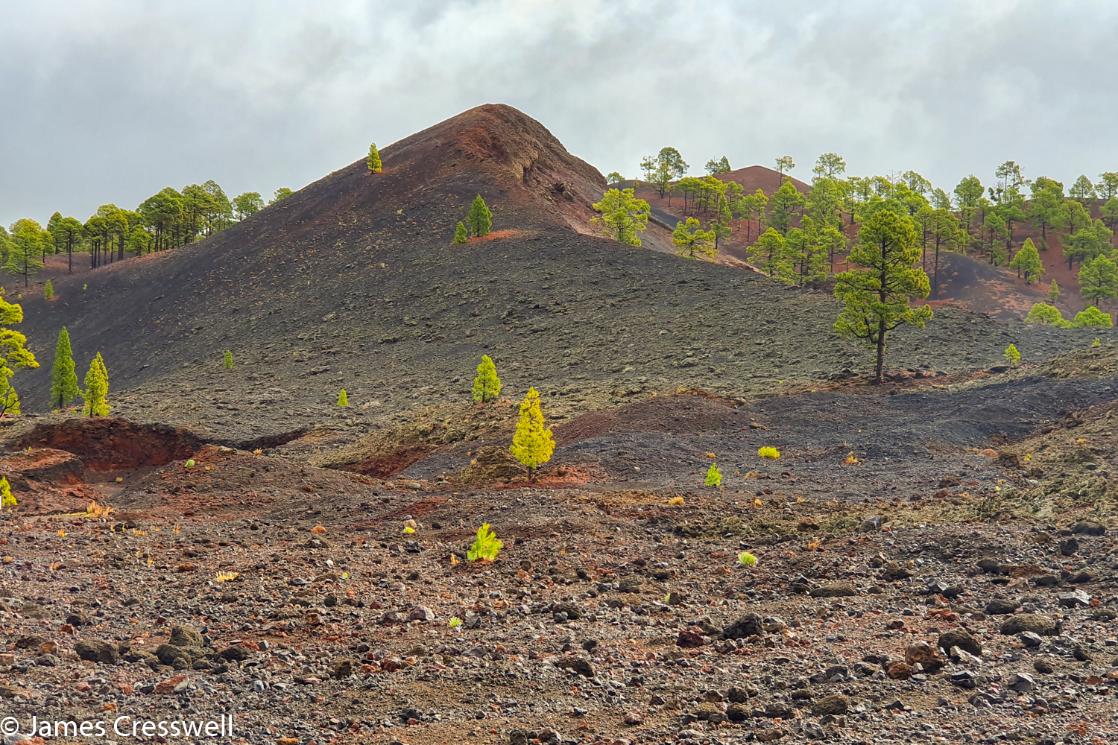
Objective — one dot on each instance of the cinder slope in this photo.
(353, 282)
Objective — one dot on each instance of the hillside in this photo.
(353, 282)
(239, 543)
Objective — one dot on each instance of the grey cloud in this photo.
(110, 101)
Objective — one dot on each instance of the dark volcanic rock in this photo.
(751, 624)
(1034, 622)
(961, 639)
(97, 651)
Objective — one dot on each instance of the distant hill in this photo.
(353, 282)
(752, 178)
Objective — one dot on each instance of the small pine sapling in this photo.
(486, 545)
(714, 476)
(48, 290)
(532, 443)
(343, 398)
(7, 499)
(747, 559)
(768, 452)
(63, 376)
(373, 161)
(479, 219)
(487, 386)
(461, 235)
(228, 360)
(96, 388)
(1012, 356)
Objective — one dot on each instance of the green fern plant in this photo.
(486, 545)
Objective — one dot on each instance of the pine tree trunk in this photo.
(881, 319)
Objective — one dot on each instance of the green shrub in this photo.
(1092, 317)
(7, 499)
(714, 476)
(487, 385)
(747, 559)
(1046, 315)
(1012, 356)
(486, 545)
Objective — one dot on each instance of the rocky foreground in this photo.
(963, 589)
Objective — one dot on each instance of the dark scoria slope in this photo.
(353, 282)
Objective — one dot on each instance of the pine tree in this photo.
(691, 239)
(1092, 317)
(26, 249)
(343, 399)
(770, 254)
(1098, 279)
(48, 291)
(373, 161)
(1012, 355)
(228, 360)
(487, 386)
(96, 388)
(532, 443)
(479, 219)
(14, 354)
(877, 292)
(714, 476)
(461, 235)
(784, 202)
(623, 214)
(63, 377)
(1053, 291)
(1027, 262)
(1047, 315)
(7, 499)
(9, 399)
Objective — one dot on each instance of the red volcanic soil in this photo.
(753, 178)
(112, 444)
(974, 284)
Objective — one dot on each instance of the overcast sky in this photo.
(107, 101)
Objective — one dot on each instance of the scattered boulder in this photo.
(922, 653)
(576, 665)
(751, 624)
(1075, 599)
(959, 638)
(186, 637)
(421, 613)
(900, 671)
(833, 705)
(97, 651)
(235, 652)
(834, 590)
(1001, 607)
(690, 638)
(1088, 527)
(1020, 682)
(1034, 622)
